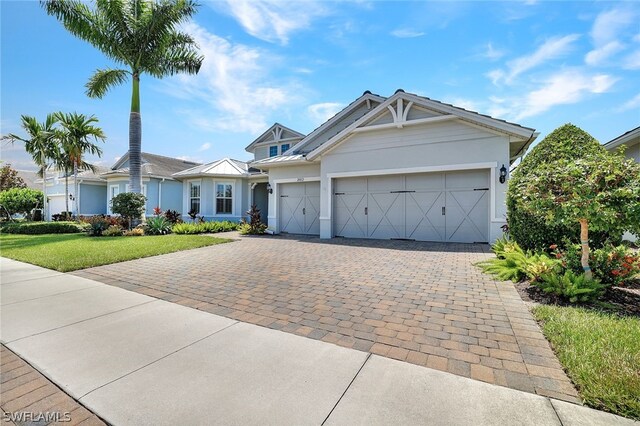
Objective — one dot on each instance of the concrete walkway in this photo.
(134, 359)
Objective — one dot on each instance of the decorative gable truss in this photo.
(406, 109)
(276, 134)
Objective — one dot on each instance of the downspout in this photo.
(78, 198)
(160, 194)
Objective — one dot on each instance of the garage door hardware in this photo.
(400, 192)
(284, 196)
(481, 189)
(443, 210)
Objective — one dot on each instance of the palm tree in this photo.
(78, 130)
(42, 143)
(139, 35)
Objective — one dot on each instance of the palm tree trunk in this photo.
(584, 241)
(66, 193)
(44, 191)
(135, 138)
(75, 188)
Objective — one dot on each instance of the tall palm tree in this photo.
(78, 133)
(42, 142)
(140, 35)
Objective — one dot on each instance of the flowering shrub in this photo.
(113, 231)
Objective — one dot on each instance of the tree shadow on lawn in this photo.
(19, 241)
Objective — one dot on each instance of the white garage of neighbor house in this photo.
(403, 167)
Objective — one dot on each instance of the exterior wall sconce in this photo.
(71, 197)
(503, 174)
(269, 188)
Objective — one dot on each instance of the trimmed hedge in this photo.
(37, 228)
(204, 227)
(531, 232)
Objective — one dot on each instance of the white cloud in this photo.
(274, 21)
(406, 33)
(632, 61)
(601, 54)
(492, 53)
(565, 87)
(551, 49)
(205, 146)
(236, 81)
(633, 103)
(321, 112)
(605, 34)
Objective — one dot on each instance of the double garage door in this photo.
(449, 207)
(300, 208)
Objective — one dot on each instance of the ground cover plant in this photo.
(78, 251)
(204, 227)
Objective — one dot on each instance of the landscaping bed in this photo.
(69, 252)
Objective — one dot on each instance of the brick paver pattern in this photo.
(423, 303)
(27, 397)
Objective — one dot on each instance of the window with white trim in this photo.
(273, 151)
(224, 198)
(284, 147)
(194, 197)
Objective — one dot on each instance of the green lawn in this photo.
(601, 353)
(68, 252)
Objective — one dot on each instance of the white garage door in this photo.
(57, 205)
(451, 207)
(300, 208)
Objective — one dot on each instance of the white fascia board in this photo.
(624, 139)
(332, 120)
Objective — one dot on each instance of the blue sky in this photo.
(540, 64)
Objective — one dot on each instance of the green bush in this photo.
(158, 225)
(512, 266)
(570, 143)
(37, 228)
(571, 286)
(255, 225)
(135, 232)
(97, 225)
(612, 265)
(204, 227)
(129, 205)
(21, 200)
(113, 231)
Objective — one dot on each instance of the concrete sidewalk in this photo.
(133, 359)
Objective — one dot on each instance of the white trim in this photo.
(296, 180)
(215, 198)
(188, 203)
(403, 123)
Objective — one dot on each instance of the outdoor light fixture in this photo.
(71, 197)
(503, 174)
(269, 188)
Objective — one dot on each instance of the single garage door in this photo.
(450, 207)
(300, 208)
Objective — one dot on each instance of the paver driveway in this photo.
(423, 303)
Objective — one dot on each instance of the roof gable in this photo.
(407, 109)
(351, 113)
(223, 167)
(276, 134)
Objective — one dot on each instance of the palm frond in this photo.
(103, 79)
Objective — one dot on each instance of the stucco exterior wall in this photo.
(92, 199)
(208, 198)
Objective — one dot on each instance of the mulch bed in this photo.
(624, 301)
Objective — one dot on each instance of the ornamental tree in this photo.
(21, 200)
(599, 192)
(9, 178)
(129, 205)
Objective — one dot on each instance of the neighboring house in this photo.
(30, 178)
(158, 184)
(631, 140)
(403, 167)
(92, 191)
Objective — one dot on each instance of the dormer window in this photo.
(283, 148)
(273, 151)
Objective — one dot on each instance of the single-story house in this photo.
(403, 167)
(158, 182)
(98, 187)
(631, 140)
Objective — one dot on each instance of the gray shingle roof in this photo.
(154, 165)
